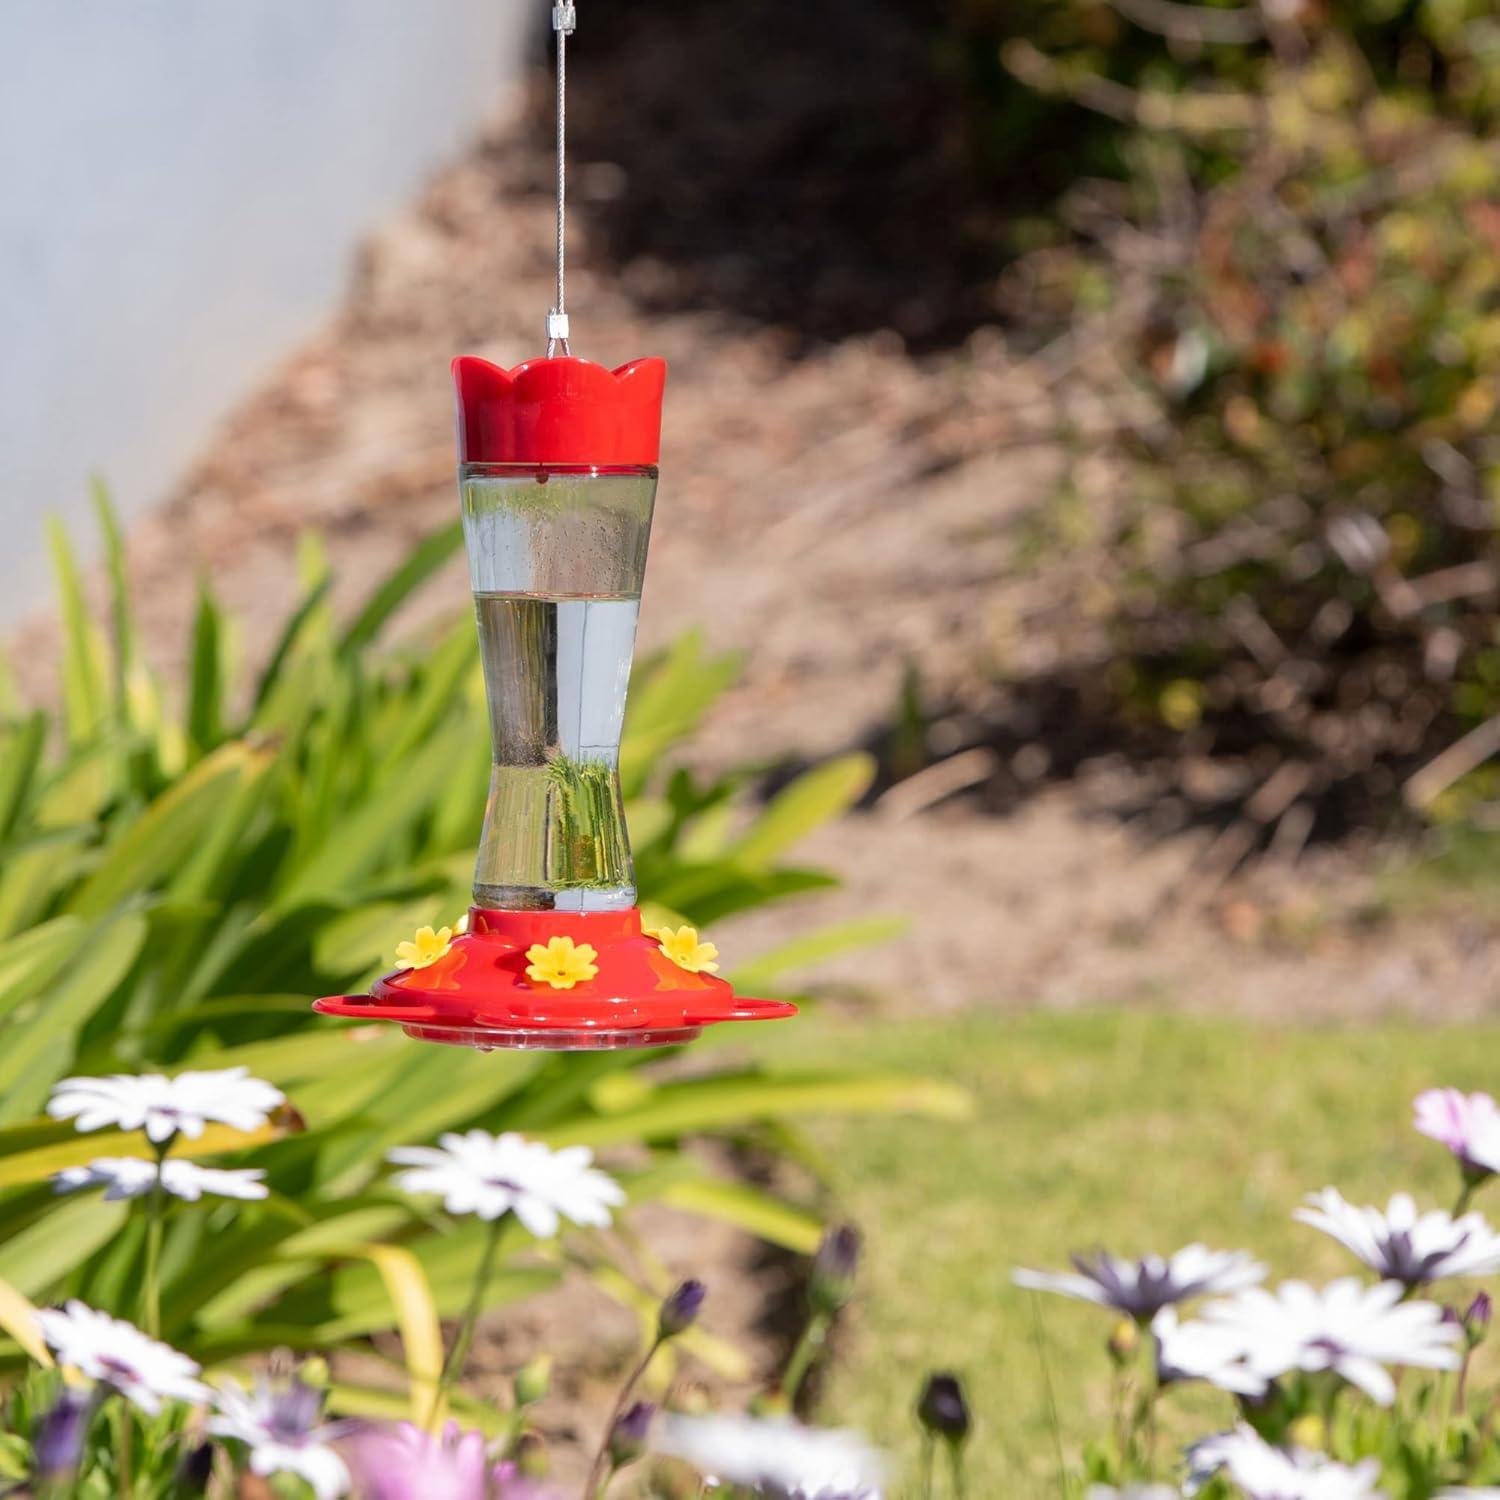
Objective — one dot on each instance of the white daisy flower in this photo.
(111, 1350)
(488, 1175)
(779, 1457)
(130, 1177)
(1265, 1473)
(164, 1107)
(1402, 1245)
(1467, 1124)
(1141, 1288)
(1348, 1327)
(1203, 1351)
(283, 1428)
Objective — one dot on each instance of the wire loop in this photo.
(564, 19)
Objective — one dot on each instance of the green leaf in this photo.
(18, 1319)
(35, 958)
(416, 1318)
(668, 697)
(814, 948)
(439, 1088)
(104, 959)
(429, 555)
(813, 799)
(84, 698)
(749, 1209)
(352, 942)
(375, 1404)
(31, 879)
(42, 1255)
(732, 1099)
(205, 706)
(36, 1151)
(11, 706)
(357, 1303)
(83, 786)
(316, 1047)
(169, 830)
(709, 893)
(219, 1291)
(454, 658)
(21, 756)
(358, 841)
(122, 621)
(287, 643)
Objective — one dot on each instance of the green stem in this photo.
(928, 1453)
(124, 1438)
(1119, 1405)
(1143, 1426)
(1465, 1196)
(1041, 1354)
(814, 1335)
(601, 1471)
(156, 1202)
(454, 1364)
(956, 1468)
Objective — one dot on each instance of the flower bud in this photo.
(533, 1380)
(314, 1372)
(628, 1439)
(942, 1409)
(530, 1456)
(59, 1440)
(195, 1470)
(1124, 1341)
(834, 1267)
(680, 1310)
(1477, 1319)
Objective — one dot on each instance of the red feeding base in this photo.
(478, 993)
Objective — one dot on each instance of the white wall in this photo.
(181, 184)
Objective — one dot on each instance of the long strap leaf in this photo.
(84, 697)
(417, 1321)
(34, 1164)
(18, 1319)
(21, 755)
(430, 555)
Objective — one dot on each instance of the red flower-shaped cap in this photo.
(479, 992)
(559, 411)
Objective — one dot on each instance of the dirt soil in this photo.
(845, 511)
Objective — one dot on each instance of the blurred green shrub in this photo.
(1284, 289)
(175, 889)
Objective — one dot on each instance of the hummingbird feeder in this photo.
(557, 481)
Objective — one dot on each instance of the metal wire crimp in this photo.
(564, 19)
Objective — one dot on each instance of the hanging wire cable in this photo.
(564, 19)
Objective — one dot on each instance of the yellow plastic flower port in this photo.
(461, 926)
(424, 949)
(684, 949)
(562, 963)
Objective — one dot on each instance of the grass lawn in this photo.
(1131, 1130)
